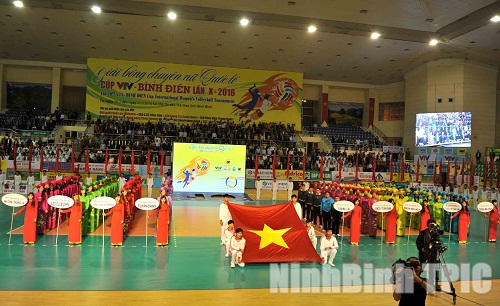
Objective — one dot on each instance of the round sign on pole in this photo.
(14, 200)
(485, 207)
(60, 201)
(103, 202)
(382, 206)
(452, 207)
(147, 203)
(412, 207)
(343, 206)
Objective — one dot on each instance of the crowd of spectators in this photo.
(34, 119)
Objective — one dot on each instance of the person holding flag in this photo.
(228, 234)
(289, 188)
(258, 187)
(237, 246)
(311, 233)
(328, 248)
(224, 217)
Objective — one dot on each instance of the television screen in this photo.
(201, 167)
(443, 130)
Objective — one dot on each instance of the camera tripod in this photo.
(442, 264)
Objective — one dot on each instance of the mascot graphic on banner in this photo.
(272, 94)
(197, 167)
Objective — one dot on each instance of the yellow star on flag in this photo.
(269, 235)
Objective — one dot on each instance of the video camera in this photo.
(436, 244)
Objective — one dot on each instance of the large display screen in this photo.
(201, 167)
(443, 130)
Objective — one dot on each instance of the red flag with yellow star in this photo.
(273, 234)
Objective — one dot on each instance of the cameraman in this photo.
(426, 251)
(411, 289)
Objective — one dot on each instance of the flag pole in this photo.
(409, 231)
(343, 222)
(11, 221)
(58, 223)
(146, 229)
(103, 229)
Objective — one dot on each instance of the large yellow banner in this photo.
(147, 91)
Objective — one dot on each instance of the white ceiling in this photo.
(209, 33)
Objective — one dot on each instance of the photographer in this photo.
(427, 244)
(411, 289)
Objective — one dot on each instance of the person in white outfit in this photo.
(306, 183)
(237, 246)
(224, 217)
(258, 187)
(88, 179)
(328, 248)
(44, 177)
(311, 233)
(17, 182)
(274, 188)
(121, 181)
(297, 206)
(228, 234)
(59, 176)
(149, 183)
(475, 197)
(289, 188)
(30, 180)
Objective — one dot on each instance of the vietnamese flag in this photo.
(273, 234)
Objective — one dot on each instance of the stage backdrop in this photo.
(186, 93)
(199, 167)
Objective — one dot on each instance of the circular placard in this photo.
(103, 202)
(343, 206)
(452, 207)
(382, 206)
(147, 203)
(412, 207)
(14, 200)
(485, 207)
(60, 201)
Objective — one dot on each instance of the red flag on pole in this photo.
(448, 173)
(403, 168)
(374, 167)
(463, 171)
(57, 158)
(340, 168)
(356, 171)
(132, 166)
(391, 169)
(148, 161)
(106, 161)
(72, 158)
(321, 167)
(440, 170)
(15, 156)
(471, 173)
(41, 159)
(304, 165)
(87, 160)
(273, 234)
(256, 165)
(288, 166)
(418, 169)
(120, 157)
(162, 158)
(455, 173)
(31, 157)
(274, 165)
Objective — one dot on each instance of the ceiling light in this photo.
(244, 22)
(433, 42)
(495, 18)
(311, 29)
(18, 4)
(172, 15)
(375, 35)
(96, 9)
